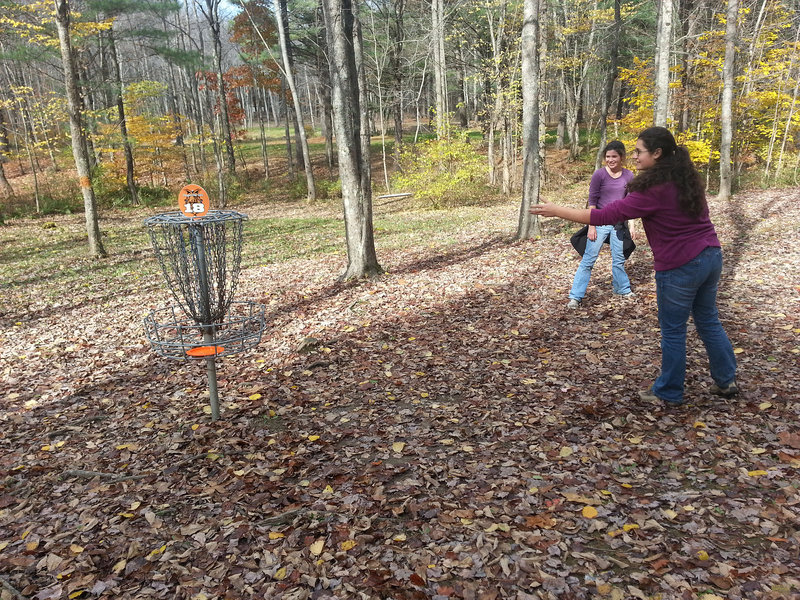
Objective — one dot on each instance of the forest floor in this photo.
(455, 431)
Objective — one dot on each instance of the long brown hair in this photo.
(673, 165)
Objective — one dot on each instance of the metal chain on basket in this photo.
(193, 254)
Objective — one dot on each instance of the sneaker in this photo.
(626, 295)
(649, 396)
(728, 391)
(573, 304)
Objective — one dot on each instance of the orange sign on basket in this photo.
(193, 201)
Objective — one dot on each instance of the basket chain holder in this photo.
(200, 258)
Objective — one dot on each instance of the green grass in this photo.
(47, 259)
(276, 240)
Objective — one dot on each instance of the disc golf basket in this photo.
(200, 258)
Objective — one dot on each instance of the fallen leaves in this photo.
(348, 545)
(317, 547)
(456, 441)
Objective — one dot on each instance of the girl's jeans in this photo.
(691, 289)
(620, 282)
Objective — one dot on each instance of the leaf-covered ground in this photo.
(455, 433)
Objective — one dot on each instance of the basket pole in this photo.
(205, 308)
(211, 369)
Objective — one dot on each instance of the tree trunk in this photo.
(261, 101)
(506, 152)
(287, 135)
(397, 34)
(575, 76)
(86, 102)
(43, 119)
(33, 161)
(439, 66)
(76, 129)
(326, 124)
(123, 126)
(688, 18)
(542, 58)
(5, 187)
(215, 26)
(616, 34)
(727, 100)
(501, 76)
(354, 170)
(789, 117)
(463, 101)
(528, 226)
(175, 112)
(280, 9)
(751, 52)
(327, 112)
(663, 42)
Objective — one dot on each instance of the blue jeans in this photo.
(691, 289)
(619, 279)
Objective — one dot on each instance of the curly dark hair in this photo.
(673, 165)
(615, 146)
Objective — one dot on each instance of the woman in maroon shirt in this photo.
(669, 196)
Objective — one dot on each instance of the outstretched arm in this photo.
(579, 215)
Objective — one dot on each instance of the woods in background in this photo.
(165, 92)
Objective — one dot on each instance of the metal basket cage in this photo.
(200, 259)
(173, 334)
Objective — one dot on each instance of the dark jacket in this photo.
(578, 239)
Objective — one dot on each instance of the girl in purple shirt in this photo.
(608, 185)
(669, 196)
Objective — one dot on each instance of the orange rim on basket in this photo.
(205, 351)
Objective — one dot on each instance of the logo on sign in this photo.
(193, 201)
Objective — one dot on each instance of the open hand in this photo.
(543, 210)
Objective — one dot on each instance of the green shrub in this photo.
(60, 206)
(298, 188)
(444, 172)
(327, 188)
(109, 191)
(156, 196)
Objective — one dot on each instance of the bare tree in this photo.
(211, 13)
(575, 68)
(439, 66)
(663, 43)
(123, 125)
(611, 77)
(726, 140)
(76, 129)
(347, 85)
(498, 41)
(396, 36)
(289, 74)
(789, 117)
(5, 187)
(529, 224)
